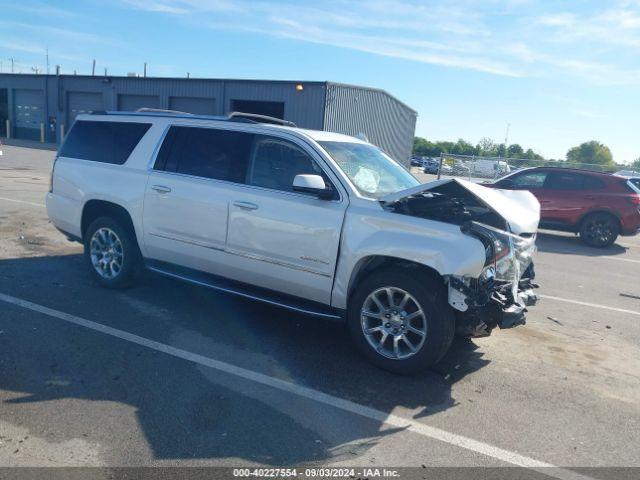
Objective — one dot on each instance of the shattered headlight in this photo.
(507, 255)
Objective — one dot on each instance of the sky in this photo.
(559, 72)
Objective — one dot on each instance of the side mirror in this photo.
(313, 184)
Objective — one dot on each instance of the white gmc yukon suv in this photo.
(316, 222)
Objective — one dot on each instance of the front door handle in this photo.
(160, 188)
(245, 205)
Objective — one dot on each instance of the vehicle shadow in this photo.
(188, 411)
(556, 242)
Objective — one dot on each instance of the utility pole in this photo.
(188, 74)
(11, 64)
(105, 71)
(57, 69)
(506, 136)
(47, 61)
(145, 70)
(93, 68)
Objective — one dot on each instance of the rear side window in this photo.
(573, 181)
(106, 142)
(205, 152)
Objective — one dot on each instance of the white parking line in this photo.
(42, 205)
(311, 394)
(621, 259)
(586, 304)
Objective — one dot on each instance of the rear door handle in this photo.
(245, 205)
(160, 188)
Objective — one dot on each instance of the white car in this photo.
(317, 222)
(489, 168)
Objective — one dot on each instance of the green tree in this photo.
(590, 152)
(462, 147)
(487, 147)
(636, 164)
(515, 151)
(424, 148)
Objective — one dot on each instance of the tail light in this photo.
(634, 199)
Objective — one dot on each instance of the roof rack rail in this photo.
(232, 117)
(162, 110)
(255, 118)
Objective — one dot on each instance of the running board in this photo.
(247, 291)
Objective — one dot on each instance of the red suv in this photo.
(599, 206)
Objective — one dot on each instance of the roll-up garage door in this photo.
(83, 102)
(196, 105)
(130, 103)
(29, 113)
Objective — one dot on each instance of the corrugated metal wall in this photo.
(386, 122)
(317, 105)
(304, 108)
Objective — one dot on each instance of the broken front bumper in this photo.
(482, 307)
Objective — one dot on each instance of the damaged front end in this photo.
(505, 288)
(506, 223)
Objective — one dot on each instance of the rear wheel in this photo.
(111, 252)
(400, 321)
(599, 230)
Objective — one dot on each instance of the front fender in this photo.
(437, 245)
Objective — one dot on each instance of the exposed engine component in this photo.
(450, 203)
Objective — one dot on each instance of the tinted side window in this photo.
(530, 180)
(275, 163)
(592, 183)
(205, 152)
(166, 151)
(107, 142)
(572, 181)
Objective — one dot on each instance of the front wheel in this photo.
(599, 230)
(401, 322)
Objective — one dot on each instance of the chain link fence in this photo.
(484, 169)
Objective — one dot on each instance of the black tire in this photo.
(599, 230)
(131, 258)
(439, 318)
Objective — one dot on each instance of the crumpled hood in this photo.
(520, 209)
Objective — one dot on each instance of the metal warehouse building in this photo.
(42, 107)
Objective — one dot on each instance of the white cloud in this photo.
(502, 37)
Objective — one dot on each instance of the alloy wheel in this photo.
(393, 323)
(599, 231)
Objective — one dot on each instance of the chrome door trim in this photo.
(244, 254)
(276, 262)
(190, 242)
